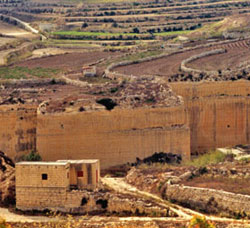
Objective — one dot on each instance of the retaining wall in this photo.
(208, 199)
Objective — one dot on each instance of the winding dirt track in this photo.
(237, 52)
(119, 185)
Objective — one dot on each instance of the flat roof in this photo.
(41, 163)
(83, 161)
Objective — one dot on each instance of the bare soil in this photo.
(237, 52)
(5, 40)
(240, 186)
(67, 62)
(11, 30)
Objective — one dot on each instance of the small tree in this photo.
(136, 30)
(4, 224)
(200, 222)
(85, 25)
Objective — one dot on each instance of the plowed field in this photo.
(69, 62)
(237, 52)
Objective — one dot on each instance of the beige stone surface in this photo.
(214, 114)
(115, 137)
(218, 113)
(17, 129)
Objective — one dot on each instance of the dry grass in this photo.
(213, 157)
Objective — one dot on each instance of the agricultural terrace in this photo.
(122, 20)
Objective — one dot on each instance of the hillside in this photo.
(235, 24)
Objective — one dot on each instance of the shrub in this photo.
(212, 157)
(32, 156)
(200, 222)
(4, 224)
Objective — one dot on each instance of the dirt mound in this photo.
(7, 180)
(159, 158)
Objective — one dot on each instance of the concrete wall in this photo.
(219, 113)
(115, 137)
(17, 129)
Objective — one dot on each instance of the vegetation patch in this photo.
(172, 33)
(32, 156)
(213, 157)
(18, 72)
(90, 34)
(200, 222)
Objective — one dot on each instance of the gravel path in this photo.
(12, 217)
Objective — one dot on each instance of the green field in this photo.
(118, 36)
(172, 33)
(94, 1)
(92, 34)
(25, 72)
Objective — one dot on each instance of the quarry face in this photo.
(151, 89)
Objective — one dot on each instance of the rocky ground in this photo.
(151, 178)
(58, 96)
(229, 176)
(7, 180)
(139, 194)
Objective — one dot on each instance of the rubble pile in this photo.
(160, 157)
(7, 180)
(147, 92)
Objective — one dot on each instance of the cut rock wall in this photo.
(214, 114)
(115, 137)
(194, 90)
(17, 129)
(219, 113)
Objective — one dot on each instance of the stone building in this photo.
(50, 185)
(89, 71)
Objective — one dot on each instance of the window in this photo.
(44, 176)
(79, 173)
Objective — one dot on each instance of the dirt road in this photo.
(119, 185)
(12, 217)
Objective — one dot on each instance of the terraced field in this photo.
(237, 52)
(146, 20)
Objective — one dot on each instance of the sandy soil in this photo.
(10, 30)
(4, 53)
(12, 217)
(45, 52)
(6, 40)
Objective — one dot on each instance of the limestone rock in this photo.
(7, 180)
